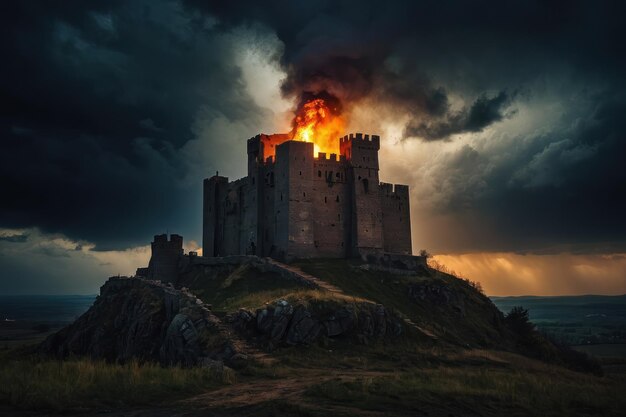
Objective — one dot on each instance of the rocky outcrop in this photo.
(437, 293)
(282, 323)
(146, 320)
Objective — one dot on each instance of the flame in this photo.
(318, 121)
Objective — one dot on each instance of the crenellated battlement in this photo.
(394, 190)
(333, 157)
(359, 137)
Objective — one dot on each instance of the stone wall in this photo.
(293, 204)
(396, 218)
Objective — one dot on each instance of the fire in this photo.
(320, 122)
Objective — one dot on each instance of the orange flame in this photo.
(318, 122)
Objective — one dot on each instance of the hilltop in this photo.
(329, 336)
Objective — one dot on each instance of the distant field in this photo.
(575, 320)
(27, 319)
(607, 350)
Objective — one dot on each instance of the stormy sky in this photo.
(505, 118)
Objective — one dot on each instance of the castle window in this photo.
(366, 185)
(252, 180)
(303, 194)
(338, 175)
(319, 174)
(325, 200)
(281, 196)
(339, 217)
(300, 172)
(337, 199)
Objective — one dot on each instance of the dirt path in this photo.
(290, 389)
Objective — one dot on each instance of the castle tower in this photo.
(361, 152)
(166, 255)
(215, 189)
(293, 199)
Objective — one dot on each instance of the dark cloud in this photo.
(16, 238)
(482, 113)
(97, 100)
(102, 104)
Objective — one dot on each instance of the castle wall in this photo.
(267, 214)
(293, 204)
(396, 218)
(362, 155)
(296, 162)
(331, 208)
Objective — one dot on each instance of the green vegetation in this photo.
(26, 382)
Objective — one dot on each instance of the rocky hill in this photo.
(233, 311)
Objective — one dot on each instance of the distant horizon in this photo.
(490, 296)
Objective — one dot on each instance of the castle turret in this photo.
(165, 259)
(361, 153)
(293, 196)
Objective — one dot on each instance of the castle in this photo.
(293, 204)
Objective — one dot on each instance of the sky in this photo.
(506, 118)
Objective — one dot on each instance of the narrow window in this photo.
(300, 172)
(339, 216)
(281, 196)
(337, 199)
(303, 194)
(325, 200)
(319, 174)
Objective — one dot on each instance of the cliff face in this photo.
(135, 318)
(148, 321)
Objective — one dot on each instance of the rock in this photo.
(238, 361)
(304, 330)
(145, 320)
(437, 293)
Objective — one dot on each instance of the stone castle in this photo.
(293, 204)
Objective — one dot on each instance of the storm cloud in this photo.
(506, 118)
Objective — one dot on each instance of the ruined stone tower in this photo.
(165, 259)
(293, 204)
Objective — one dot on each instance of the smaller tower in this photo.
(166, 256)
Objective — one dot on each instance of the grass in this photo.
(475, 327)
(83, 383)
(234, 288)
(246, 287)
(482, 389)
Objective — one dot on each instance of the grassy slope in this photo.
(31, 383)
(475, 327)
(335, 377)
